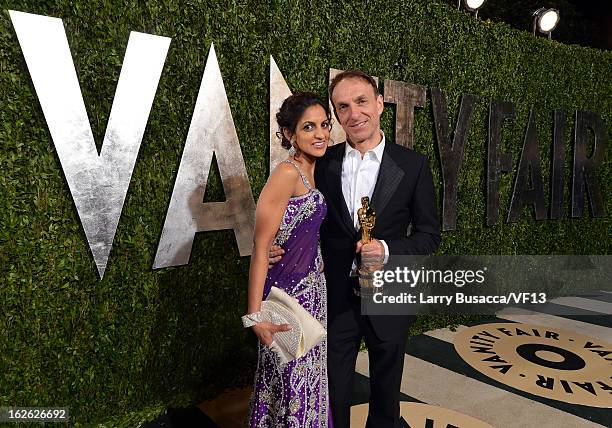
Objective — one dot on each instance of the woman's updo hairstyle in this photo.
(292, 110)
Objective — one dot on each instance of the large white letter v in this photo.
(98, 183)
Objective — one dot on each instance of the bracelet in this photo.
(249, 320)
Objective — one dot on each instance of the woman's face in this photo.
(312, 131)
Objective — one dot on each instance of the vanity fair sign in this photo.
(98, 182)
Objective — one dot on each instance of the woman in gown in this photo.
(289, 213)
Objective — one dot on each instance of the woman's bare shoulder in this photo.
(283, 178)
(285, 171)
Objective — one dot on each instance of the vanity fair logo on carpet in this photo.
(98, 182)
(551, 363)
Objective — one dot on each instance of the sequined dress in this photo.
(296, 394)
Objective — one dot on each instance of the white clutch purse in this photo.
(306, 331)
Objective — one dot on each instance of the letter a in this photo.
(279, 90)
(211, 132)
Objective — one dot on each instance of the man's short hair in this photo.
(352, 74)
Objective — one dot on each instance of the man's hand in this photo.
(372, 254)
(275, 255)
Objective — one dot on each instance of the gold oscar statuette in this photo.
(367, 219)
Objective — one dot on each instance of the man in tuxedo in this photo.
(400, 186)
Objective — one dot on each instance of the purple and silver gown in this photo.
(296, 394)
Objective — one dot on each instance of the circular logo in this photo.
(422, 415)
(552, 363)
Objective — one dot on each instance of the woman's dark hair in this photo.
(292, 110)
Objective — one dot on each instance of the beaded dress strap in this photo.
(304, 179)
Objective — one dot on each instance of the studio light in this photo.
(471, 5)
(545, 20)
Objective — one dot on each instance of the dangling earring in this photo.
(294, 150)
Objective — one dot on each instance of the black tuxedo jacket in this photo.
(403, 197)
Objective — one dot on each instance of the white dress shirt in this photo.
(359, 177)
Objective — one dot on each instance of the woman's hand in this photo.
(265, 331)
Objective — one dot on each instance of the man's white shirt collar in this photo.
(376, 151)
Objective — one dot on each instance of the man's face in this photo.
(358, 109)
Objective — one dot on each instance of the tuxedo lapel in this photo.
(389, 177)
(334, 179)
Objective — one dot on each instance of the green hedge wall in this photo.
(142, 338)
